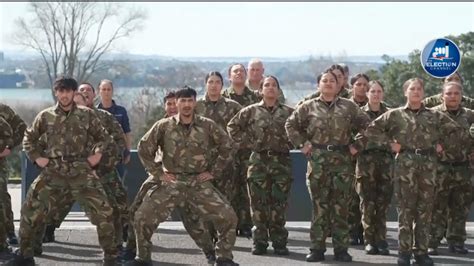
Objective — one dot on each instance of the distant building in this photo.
(1, 57)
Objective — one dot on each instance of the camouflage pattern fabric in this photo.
(374, 186)
(344, 93)
(18, 126)
(6, 139)
(269, 172)
(453, 193)
(418, 132)
(185, 154)
(437, 99)
(332, 171)
(63, 137)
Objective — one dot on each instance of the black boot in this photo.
(342, 255)
(259, 249)
(245, 232)
(371, 249)
(18, 260)
(382, 246)
(315, 255)
(127, 254)
(404, 259)
(5, 253)
(11, 239)
(459, 249)
(49, 234)
(423, 260)
(225, 262)
(281, 250)
(354, 239)
(210, 256)
(136, 262)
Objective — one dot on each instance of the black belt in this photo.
(329, 147)
(69, 159)
(454, 164)
(273, 153)
(420, 152)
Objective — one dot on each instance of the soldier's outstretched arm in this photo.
(295, 126)
(147, 148)
(31, 143)
(237, 127)
(224, 146)
(98, 133)
(378, 131)
(6, 135)
(17, 124)
(360, 121)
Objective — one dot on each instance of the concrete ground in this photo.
(77, 244)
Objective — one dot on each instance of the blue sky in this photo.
(282, 29)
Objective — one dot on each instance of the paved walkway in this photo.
(77, 244)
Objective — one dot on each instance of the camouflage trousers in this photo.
(269, 181)
(117, 198)
(202, 197)
(6, 199)
(375, 189)
(329, 182)
(241, 201)
(414, 188)
(193, 224)
(85, 188)
(452, 203)
(354, 218)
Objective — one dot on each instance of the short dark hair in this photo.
(65, 83)
(378, 82)
(169, 95)
(338, 67)
(358, 76)
(186, 92)
(214, 73)
(87, 83)
(236, 64)
(270, 76)
(327, 71)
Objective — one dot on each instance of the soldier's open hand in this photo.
(5, 153)
(168, 178)
(439, 148)
(396, 147)
(42, 162)
(307, 149)
(205, 176)
(94, 159)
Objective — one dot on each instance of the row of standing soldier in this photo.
(322, 128)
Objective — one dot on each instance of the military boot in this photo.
(259, 249)
(136, 262)
(404, 259)
(19, 260)
(342, 255)
(11, 238)
(459, 249)
(315, 255)
(225, 262)
(423, 260)
(210, 256)
(49, 234)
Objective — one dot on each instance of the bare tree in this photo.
(71, 37)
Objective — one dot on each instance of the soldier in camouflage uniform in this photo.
(105, 171)
(359, 84)
(6, 140)
(322, 128)
(374, 181)
(415, 133)
(66, 163)
(18, 127)
(241, 202)
(437, 99)
(255, 78)
(453, 183)
(185, 172)
(269, 174)
(193, 224)
(343, 92)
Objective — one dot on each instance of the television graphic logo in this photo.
(440, 58)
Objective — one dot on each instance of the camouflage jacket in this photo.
(247, 98)
(458, 149)
(6, 135)
(281, 97)
(423, 129)
(263, 128)
(316, 122)
(370, 145)
(185, 148)
(344, 93)
(438, 99)
(113, 153)
(17, 125)
(220, 112)
(56, 134)
(360, 104)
